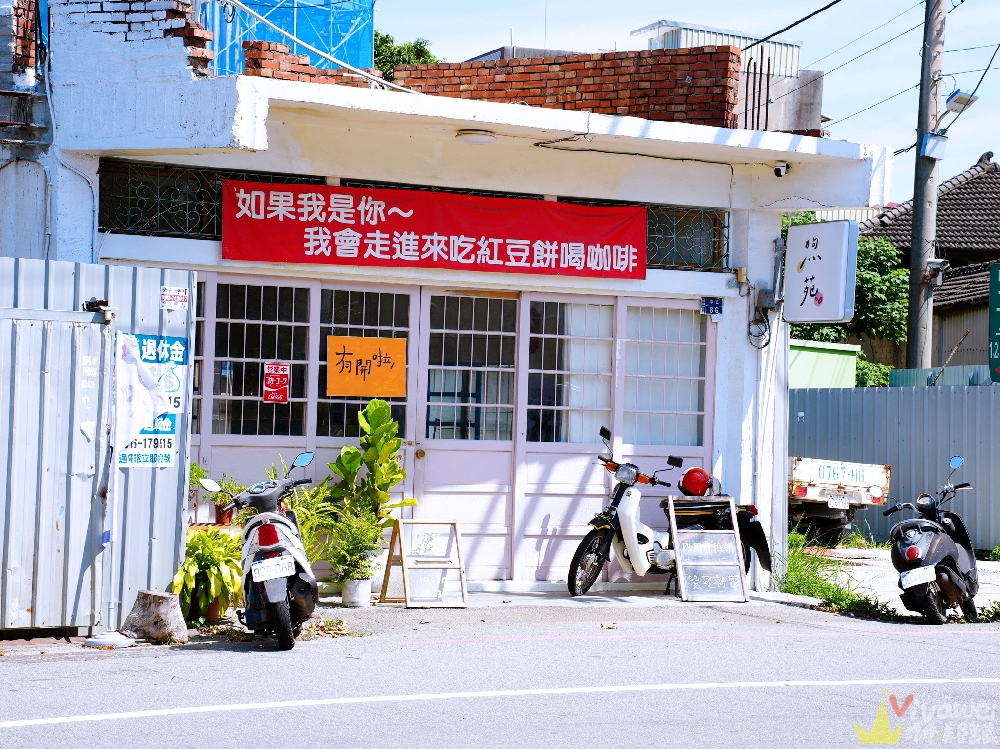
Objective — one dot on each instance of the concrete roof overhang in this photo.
(627, 134)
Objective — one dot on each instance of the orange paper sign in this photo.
(374, 367)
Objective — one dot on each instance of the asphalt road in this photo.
(538, 671)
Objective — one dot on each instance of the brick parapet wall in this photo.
(147, 20)
(24, 42)
(697, 85)
(273, 60)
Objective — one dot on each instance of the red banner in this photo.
(422, 229)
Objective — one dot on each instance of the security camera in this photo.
(934, 273)
(781, 168)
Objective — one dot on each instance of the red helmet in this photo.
(695, 482)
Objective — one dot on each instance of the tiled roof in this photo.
(969, 284)
(968, 218)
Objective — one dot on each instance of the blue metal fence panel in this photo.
(55, 360)
(915, 430)
(966, 374)
(344, 29)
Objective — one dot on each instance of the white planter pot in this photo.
(378, 570)
(357, 593)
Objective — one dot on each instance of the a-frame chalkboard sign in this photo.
(709, 563)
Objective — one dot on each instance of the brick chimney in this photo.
(698, 85)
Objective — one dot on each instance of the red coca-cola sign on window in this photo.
(364, 227)
(276, 376)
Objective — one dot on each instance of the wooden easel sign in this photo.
(426, 557)
(709, 563)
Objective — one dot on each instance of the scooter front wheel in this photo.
(280, 617)
(934, 609)
(588, 561)
(969, 610)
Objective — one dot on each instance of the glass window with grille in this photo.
(199, 356)
(665, 353)
(363, 314)
(470, 377)
(255, 325)
(569, 371)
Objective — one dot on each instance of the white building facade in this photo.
(509, 374)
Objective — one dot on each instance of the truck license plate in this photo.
(919, 576)
(838, 503)
(269, 569)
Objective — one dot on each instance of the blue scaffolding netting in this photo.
(343, 29)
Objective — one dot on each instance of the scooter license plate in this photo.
(919, 576)
(838, 503)
(269, 569)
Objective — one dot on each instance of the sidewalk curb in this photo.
(787, 599)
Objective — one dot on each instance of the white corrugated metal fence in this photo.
(55, 365)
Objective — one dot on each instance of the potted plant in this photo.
(230, 488)
(379, 455)
(210, 578)
(354, 538)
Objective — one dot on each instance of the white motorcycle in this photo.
(639, 548)
(279, 588)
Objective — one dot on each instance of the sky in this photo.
(460, 29)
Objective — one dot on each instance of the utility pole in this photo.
(919, 332)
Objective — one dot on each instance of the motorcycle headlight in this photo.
(627, 473)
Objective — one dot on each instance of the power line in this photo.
(966, 49)
(821, 77)
(858, 57)
(857, 39)
(791, 25)
(899, 93)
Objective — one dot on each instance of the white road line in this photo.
(477, 695)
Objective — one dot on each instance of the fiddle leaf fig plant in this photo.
(379, 456)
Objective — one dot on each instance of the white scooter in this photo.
(639, 548)
(279, 588)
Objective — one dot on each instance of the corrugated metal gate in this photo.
(915, 430)
(55, 365)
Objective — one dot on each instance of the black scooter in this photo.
(934, 556)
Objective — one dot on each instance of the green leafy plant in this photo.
(990, 612)
(870, 374)
(354, 538)
(858, 540)
(379, 456)
(995, 554)
(817, 576)
(317, 517)
(388, 54)
(195, 474)
(230, 488)
(211, 570)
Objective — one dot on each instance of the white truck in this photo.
(824, 495)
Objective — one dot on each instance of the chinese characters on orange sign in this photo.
(372, 367)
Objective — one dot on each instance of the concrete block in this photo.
(139, 17)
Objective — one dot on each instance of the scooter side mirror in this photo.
(674, 462)
(301, 461)
(956, 462)
(605, 433)
(210, 485)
